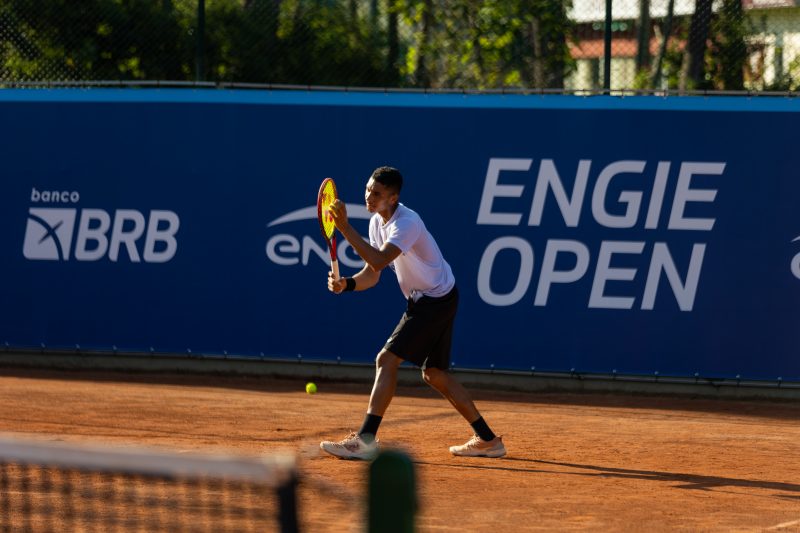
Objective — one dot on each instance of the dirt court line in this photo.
(785, 525)
(577, 462)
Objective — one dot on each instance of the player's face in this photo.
(379, 198)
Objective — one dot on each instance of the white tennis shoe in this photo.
(351, 447)
(476, 447)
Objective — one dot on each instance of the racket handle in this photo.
(335, 268)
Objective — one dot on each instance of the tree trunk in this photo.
(643, 36)
(353, 12)
(556, 49)
(732, 51)
(537, 59)
(373, 14)
(392, 72)
(423, 74)
(471, 16)
(666, 30)
(693, 71)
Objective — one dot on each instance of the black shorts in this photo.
(425, 332)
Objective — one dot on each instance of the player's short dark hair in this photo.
(388, 177)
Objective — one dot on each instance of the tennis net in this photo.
(60, 487)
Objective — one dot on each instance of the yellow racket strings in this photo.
(328, 196)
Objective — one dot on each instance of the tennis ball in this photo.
(311, 387)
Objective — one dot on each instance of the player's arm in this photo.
(376, 259)
(365, 279)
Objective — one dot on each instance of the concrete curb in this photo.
(350, 372)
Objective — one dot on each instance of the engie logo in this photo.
(639, 200)
(287, 249)
(51, 233)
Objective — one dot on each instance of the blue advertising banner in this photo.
(600, 234)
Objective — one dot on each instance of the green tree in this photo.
(422, 43)
(693, 75)
(489, 44)
(728, 53)
(91, 40)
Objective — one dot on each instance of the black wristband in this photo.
(350, 284)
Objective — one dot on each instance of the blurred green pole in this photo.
(200, 59)
(607, 49)
(392, 495)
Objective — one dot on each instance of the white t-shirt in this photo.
(421, 269)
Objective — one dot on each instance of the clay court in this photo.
(577, 462)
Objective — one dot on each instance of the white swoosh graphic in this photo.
(353, 211)
(796, 239)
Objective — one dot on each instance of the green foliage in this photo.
(289, 41)
(642, 79)
(788, 80)
(727, 55)
(402, 43)
(90, 39)
(490, 44)
(671, 63)
(441, 43)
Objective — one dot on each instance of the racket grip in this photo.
(335, 268)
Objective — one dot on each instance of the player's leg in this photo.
(453, 391)
(434, 368)
(435, 373)
(405, 344)
(383, 389)
(363, 444)
(484, 442)
(385, 385)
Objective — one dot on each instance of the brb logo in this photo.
(51, 234)
(286, 249)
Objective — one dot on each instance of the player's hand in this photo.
(338, 213)
(336, 286)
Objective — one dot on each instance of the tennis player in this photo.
(399, 240)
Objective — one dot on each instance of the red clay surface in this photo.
(576, 462)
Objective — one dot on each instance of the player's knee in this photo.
(387, 359)
(433, 377)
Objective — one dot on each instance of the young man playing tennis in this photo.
(399, 240)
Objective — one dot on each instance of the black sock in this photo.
(370, 427)
(482, 430)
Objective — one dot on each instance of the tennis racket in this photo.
(326, 196)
